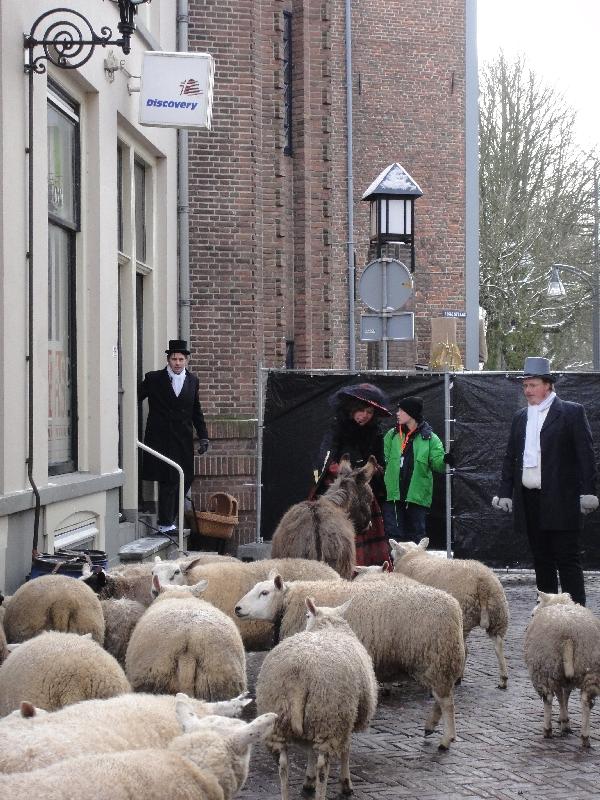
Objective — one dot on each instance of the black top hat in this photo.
(537, 367)
(177, 346)
(364, 392)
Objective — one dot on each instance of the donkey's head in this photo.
(351, 491)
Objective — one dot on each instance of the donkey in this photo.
(324, 529)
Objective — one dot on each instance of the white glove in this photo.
(588, 503)
(502, 503)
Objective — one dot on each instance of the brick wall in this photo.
(269, 230)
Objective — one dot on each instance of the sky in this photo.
(561, 42)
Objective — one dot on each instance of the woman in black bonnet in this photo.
(356, 430)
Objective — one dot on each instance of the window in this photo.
(120, 229)
(63, 224)
(139, 170)
(287, 83)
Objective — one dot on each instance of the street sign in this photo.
(385, 285)
(392, 327)
(452, 313)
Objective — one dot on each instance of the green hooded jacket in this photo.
(428, 455)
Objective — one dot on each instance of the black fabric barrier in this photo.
(483, 405)
(297, 415)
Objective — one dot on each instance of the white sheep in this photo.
(55, 669)
(478, 591)
(322, 686)
(53, 602)
(406, 629)
(120, 618)
(127, 722)
(206, 764)
(562, 653)
(184, 644)
(228, 582)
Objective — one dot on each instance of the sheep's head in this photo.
(264, 600)
(401, 549)
(320, 616)
(545, 599)
(374, 569)
(169, 591)
(169, 573)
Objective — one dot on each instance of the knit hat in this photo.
(365, 393)
(413, 406)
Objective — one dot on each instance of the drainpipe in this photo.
(351, 269)
(183, 207)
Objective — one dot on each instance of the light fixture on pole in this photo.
(591, 280)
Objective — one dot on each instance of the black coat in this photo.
(170, 423)
(568, 465)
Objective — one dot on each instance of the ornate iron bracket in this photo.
(68, 39)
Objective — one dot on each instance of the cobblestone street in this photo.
(499, 751)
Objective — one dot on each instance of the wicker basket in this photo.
(221, 518)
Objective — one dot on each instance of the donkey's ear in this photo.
(345, 467)
(369, 469)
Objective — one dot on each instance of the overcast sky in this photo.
(561, 41)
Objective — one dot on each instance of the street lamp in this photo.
(556, 289)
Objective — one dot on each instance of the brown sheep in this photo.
(324, 529)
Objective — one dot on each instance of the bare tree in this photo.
(536, 207)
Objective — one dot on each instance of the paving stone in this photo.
(499, 753)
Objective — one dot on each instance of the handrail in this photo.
(181, 484)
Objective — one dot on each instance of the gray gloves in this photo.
(502, 503)
(588, 503)
(202, 446)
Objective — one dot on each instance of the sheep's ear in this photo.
(278, 582)
(386, 566)
(185, 568)
(393, 544)
(543, 598)
(341, 610)
(423, 544)
(12, 646)
(358, 571)
(27, 709)
(156, 583)
(310, 605)
(241, 739)
(157, 559)
(86, 635)
(185, 714)
(86, 571)
(199, 588)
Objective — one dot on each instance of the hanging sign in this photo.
(177, 90)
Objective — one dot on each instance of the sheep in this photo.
(184, 644)
(53, 602)
(3, 601)
(207, 764)
(322, 686)
(3, 647)
(120, 618)
(228, 582)
(407, 628)
(324, 529)
(127, 722)
(562, 652)
(55, 669)
(478, 591)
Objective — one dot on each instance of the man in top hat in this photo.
(549, 471)
(173, 411)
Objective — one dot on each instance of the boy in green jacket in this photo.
(412, 451)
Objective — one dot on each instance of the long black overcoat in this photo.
(170, 423)
(568, 465)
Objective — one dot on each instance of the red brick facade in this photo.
(269, 230)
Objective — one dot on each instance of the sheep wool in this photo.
(53, 602)
(406, 629)
(479, 592)
(184, 644)
(127, 722)
(56, 669)
(120, 618)
(228, 582)
(322, 686)
(206, 764)
(3, 647)
(562, 653)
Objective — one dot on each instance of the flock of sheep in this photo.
(135, 679)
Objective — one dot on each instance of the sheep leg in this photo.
(283, 773)
(446, 704)
(433, 717)
(563, 715)
(587, 702)
(310, 778)
(547, 698)
(499, 648)
(322, 776)
(346, 783)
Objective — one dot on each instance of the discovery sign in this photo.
(177, 90)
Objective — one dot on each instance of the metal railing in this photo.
(176, 466)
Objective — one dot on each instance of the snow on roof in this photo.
(393, 180)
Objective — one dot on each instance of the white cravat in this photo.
(532, 468)
(176, 380)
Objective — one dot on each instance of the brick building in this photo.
(268, 188)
